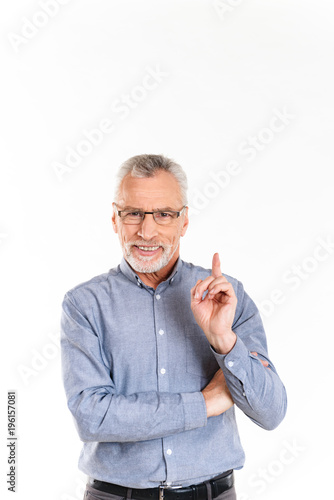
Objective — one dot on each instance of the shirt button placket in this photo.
(170, 454)
(161, 341)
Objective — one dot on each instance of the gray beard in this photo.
(143, 264)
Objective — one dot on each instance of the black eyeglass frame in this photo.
(143, 213)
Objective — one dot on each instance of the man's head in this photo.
(150, 183)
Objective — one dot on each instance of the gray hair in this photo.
(142, 166)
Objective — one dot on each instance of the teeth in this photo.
(148, 249)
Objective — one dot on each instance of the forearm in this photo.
(101, 410)
(106, 417)
(255, 389)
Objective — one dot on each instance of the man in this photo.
(157, 351)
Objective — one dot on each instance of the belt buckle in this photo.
(164, 487)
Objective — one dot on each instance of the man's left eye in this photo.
(163, 215)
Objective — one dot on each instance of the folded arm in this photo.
(100, 413)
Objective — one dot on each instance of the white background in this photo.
(224, 73)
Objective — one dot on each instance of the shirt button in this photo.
(161, 332)
(162, 371)
(230, 364)
(169, 451)
(158, 297)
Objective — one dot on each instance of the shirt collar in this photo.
(132, 276)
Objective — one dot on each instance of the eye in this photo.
(132, 215)
(164, 215)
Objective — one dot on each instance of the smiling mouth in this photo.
(147, 250)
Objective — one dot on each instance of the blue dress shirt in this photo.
(134, 363)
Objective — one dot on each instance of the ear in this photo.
(185, 222)
(113, 221)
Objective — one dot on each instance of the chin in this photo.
(147, 266)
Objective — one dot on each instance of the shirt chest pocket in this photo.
(200, 359)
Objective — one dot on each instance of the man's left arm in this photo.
(233, 326)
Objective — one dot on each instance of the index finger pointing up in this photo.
(216, 271)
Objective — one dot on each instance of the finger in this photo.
(216, 271)
(217, 281)
(264, 363)
(219, 374)
(201, 287)
(221, 287)
(194, 289)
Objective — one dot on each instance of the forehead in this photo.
(160, 191)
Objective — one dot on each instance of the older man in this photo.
(157, 352)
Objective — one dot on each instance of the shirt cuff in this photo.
(236, 361)
(195, 413)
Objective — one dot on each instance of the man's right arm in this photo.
(100, 413)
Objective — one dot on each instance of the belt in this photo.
(218, 485)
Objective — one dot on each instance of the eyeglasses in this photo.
(136, 217)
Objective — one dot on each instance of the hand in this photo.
(217, 396)
(215, 313)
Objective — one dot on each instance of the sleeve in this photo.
(255, 389)
(100, 413)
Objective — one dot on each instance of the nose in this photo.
(148, 229)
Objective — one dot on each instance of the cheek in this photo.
(174, 239)
(126, 235)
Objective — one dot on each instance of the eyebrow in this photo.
(134, 209)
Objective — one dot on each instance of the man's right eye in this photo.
(133, 214)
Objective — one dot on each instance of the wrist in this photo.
(225, 343)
